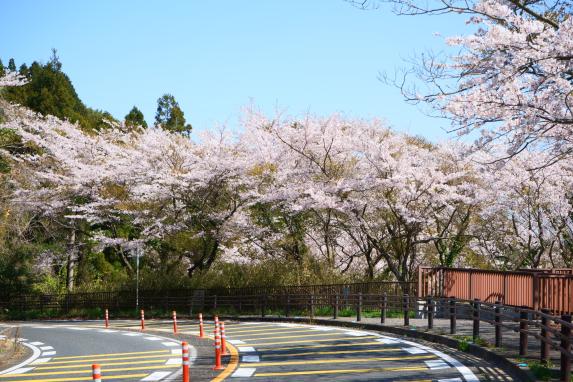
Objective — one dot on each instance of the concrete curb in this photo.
(503, 363)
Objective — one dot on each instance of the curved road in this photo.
(266, 352)
(66, 351)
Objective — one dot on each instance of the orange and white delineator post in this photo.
(185, 360)
(175, 322)
(142, 319)
(216, 319)
(106, 319)
(223, 338)
(201, 332)
(96, 373)
(218, 365)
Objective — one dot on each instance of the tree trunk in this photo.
(71, 262)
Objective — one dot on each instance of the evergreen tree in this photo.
(170, 117)
(2, 71)
(12, 65)
(24, 70)
(135, 118)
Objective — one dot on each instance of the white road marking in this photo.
(37, 343)
(355, 333)
(176, 351)
(76, 328)
(47, 353)
(41, 360)
(172, 344)
(244, 372)
(251, 358)
(35, 355)
(387, 341)
(107, 331)
(236, 342)
(46, 348)
(246, 349)
(131, 334)
(21, 370)
(156, 376)
(450, 380)
(152, 338)
(436, 364)
(173, 361)
(414, 350)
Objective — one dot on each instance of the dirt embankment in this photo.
(11, 351)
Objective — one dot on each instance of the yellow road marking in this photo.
(305, 341)
(110, 354)
(342, 371)
(335, 360)
(104, 359)
(231, 366)
(331, 352)
(328, 346)
(321, 334)
(88, 378)
(88, 371)
(277, 330)
(103, 364)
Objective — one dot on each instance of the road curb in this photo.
(503, 363)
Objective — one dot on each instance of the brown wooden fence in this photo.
(536, 289)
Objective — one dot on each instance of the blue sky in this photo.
(321, 56)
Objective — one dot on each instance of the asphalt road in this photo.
(66, 351)
(259, 351)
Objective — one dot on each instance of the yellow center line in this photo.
(343, 371)
(88, 371)
(104, 359)
(231, 366)
(103, 364)
(111, 354)
(88, 378)
(321, 334)
(336, 360)
(330, 352)
(305, 341)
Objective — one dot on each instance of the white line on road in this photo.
(157, 376)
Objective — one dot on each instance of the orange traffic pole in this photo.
(201, 332)
(106, 319)
(142, 319)
(185, 363)
(174, 322)
(223, 338)
(218, 365)
(216, 319)
(96, 373)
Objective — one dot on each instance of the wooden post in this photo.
(523, 327)
(566, 349)
(476, 314)
(498, 335)
(545, 345)
(406, 309)
(336, 302)
(430, 310)
(383, 308)
(359, 308)
(453, 315)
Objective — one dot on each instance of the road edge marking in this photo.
(231, 366)
(36, 352)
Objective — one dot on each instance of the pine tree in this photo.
(12, 65)
(135, 118)
(170, 117)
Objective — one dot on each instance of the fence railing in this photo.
(536, 289)
(184, 299)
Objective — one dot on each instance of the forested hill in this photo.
(50, 91)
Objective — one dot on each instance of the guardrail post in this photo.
(430, 310)
(566, 349)
(383, 308)
(545, 345)
(336, 303)
(498, 335)
(476, 313)
(523, 326)
(359, 308)
(453, 315)
(406, 309)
